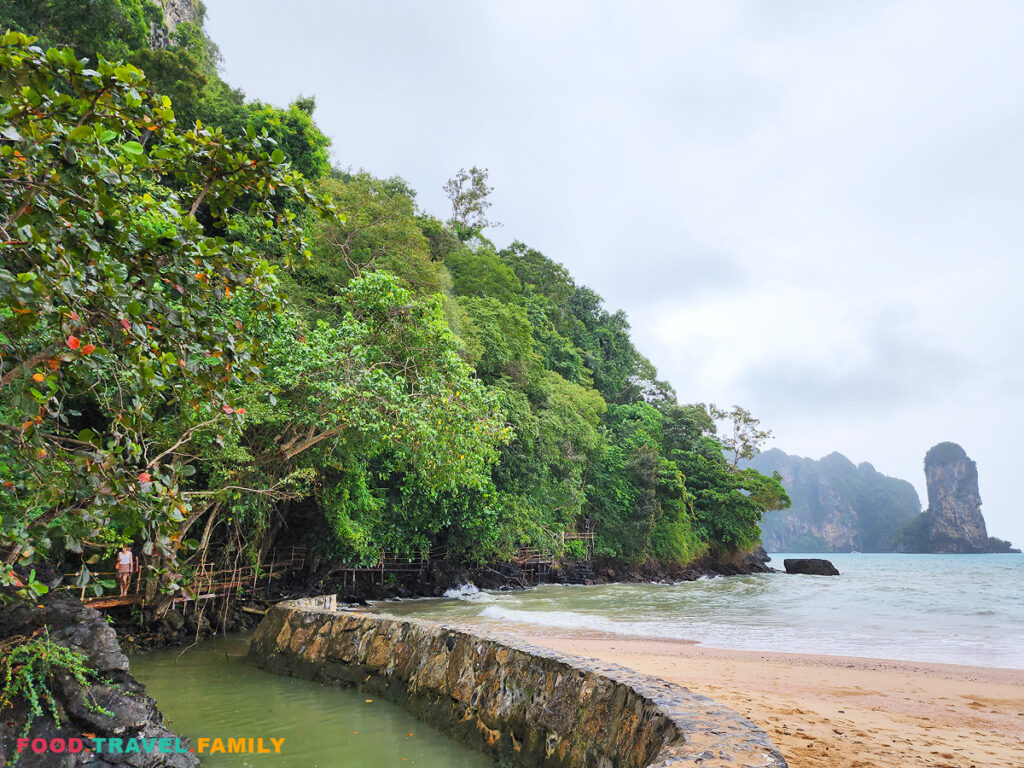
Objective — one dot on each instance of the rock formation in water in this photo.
(810, 566)
(953, 522)
(837, 506)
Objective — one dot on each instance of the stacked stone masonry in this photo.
(522, 704)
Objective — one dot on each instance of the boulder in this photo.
(112, 704)
(811, 566)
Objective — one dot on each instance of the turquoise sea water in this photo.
(959, 609)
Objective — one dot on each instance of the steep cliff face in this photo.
(838, 506)
(175, 12)
(953, 522)
(957, 524)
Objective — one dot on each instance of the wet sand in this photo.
(842, 712)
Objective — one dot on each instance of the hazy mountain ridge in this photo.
(838, 506)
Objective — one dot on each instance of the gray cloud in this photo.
(896, 371)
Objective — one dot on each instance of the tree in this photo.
(747, 437)
(111, 28)
(112, 296)
(468, 193)
(380, 232)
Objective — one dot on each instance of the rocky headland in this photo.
(953, 522)
(838, 506)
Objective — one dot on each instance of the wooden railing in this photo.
(205, 582)
(388, 562)
(537, 556)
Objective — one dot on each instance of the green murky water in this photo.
(211, 691)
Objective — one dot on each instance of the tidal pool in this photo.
(211, 691)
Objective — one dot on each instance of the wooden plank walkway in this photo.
(535, 556)
(205, 583)
(387, 562)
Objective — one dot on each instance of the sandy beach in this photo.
(843, 712)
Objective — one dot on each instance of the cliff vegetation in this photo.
(215, 342)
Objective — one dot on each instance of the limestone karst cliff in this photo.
(838, 506)
(956, 523)
(174, 12)
(953, 522)
(177, 11)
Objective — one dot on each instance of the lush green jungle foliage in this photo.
(203, 354)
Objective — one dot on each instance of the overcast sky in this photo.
(810, 209)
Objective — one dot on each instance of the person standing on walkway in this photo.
(125, 567)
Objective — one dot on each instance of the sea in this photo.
(956, 609)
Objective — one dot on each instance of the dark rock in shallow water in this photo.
(811, 566)
(129, 712)
(757, 561)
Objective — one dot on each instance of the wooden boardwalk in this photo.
(204, 583)
(535, 556)
(387, 562)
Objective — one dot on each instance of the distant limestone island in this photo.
(839, 506)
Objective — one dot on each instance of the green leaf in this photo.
(81, 133)
(83, 577)
(277, 156)
(132, 148)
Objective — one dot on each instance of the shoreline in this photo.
(827, 711)
(946, 670)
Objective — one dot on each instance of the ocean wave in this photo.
(574, 620)
(556, 619)
(468, 592)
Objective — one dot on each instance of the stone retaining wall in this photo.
(530, 706)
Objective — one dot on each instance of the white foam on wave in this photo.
(575, 620)
(462, 591)
(469, 592)
(556, 619)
